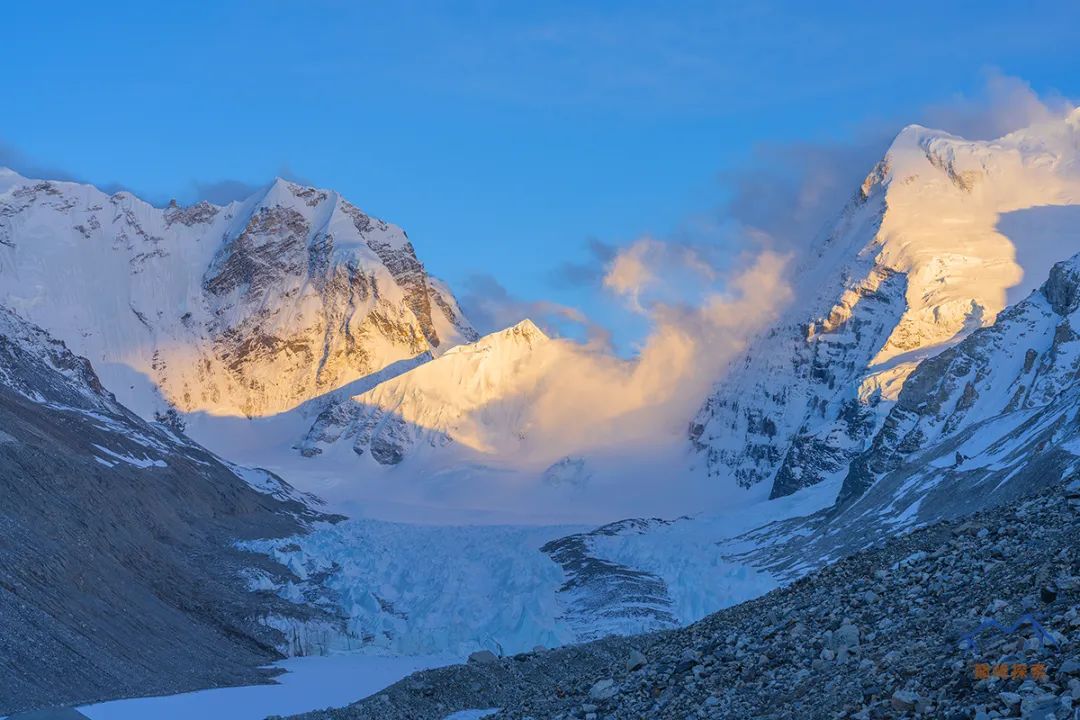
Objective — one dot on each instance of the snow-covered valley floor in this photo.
(309, 683)
(415, 590)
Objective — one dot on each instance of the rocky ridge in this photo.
(1023, 367)
(985, 422)
(600, 595)
(118, 538)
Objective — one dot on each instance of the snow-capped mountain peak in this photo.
(944, 233)
(523, 334)
(474, 394)
(246, 309)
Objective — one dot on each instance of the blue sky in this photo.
(506, 137)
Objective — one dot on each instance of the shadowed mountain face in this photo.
(116, 542)
(985, 423)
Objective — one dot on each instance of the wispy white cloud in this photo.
(650, 265)
(706, 294)
(1002, 104)
(593, 398)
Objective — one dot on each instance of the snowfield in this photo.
(309, 683)
(414, 589)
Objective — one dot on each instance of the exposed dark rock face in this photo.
(407, 271)
(1025, 363)
(1062, 288)
(119, 573)
(570, 470)
(780, 423)
(388, 439)
(599, 593)
(270, 247)
(198, 214)
(777, 414)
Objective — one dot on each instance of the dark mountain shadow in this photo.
(237, 438)
(119, 572)
(1042, 236)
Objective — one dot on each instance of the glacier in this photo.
(925, 371)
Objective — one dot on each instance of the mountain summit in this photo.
(246, 309)
(940, 237)
(475, 394)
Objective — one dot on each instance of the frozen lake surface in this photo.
(310, 683)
